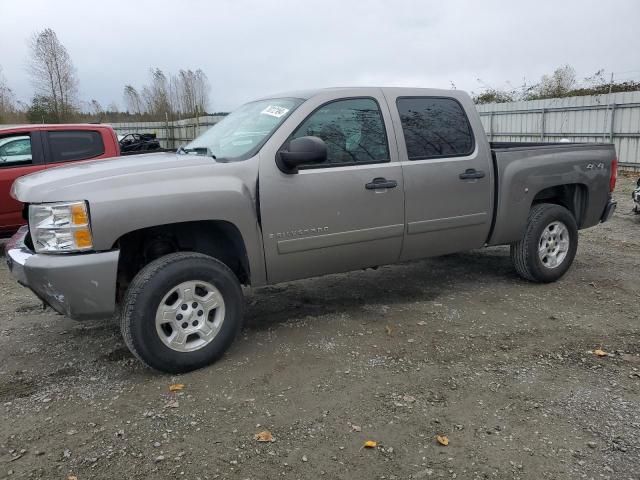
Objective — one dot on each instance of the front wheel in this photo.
(549, 245)
(181, 312)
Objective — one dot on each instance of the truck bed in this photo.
(527, 172)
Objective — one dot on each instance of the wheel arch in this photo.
(514, 205)
(220, 239)
(573, 196)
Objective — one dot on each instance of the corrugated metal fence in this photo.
(171, 134)
(600, 118)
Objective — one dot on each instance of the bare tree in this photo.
(189, 92)
(132, 100)
(7, 98)
(53, 73)
(175, 95)
(95, 108)
(184, 94)
(200, 87)
(156, 95)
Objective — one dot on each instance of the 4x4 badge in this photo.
(599, 166)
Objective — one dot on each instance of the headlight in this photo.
(60, 227)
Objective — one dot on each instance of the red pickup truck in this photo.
(28, 148)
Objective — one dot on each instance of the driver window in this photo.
(352, 129)
(15, 150)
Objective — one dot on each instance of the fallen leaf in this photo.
(176, 387)
(72, 477)
(600, 353)
(442, 440)
(388, 329)
(370, 444)
(264, 436)
(422, 323)
(356, 428)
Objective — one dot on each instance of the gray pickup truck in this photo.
(293, 186)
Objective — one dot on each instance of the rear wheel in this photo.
(549, 245)
(181, 312)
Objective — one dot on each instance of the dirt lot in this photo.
(457, 346)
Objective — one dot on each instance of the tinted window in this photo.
(352, 129)
(434, 127)
(15, 150)
(75, 145)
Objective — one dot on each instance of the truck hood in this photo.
(82, 178)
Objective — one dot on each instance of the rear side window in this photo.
(434, 127)
(15, 150)
(66, 146)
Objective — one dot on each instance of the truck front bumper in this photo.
(80, 286)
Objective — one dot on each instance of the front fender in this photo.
(223, 198)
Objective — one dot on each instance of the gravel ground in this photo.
(456, 346)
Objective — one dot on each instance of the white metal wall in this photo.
(599, 118)
(170, 134)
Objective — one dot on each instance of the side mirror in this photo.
(302, 151)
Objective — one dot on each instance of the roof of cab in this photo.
(55, 126)
(307, 94)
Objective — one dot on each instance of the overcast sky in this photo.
(254, 48)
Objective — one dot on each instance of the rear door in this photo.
(448, 174)
(20, 154)
(329, 218)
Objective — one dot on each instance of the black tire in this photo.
(147, 290)
(524, 253)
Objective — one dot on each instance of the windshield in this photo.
(241, 134)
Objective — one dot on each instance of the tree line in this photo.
(563, 82)
(55, 98)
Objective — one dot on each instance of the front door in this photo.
(332, 217)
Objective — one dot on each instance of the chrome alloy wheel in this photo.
(190, 316)
(554, 244)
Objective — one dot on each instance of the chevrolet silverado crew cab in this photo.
(294, 186)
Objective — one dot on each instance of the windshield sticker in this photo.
(275, 111)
